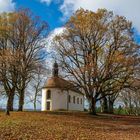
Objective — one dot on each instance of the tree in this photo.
(31, 32)
(107, 103)
(21, 43)
(8, 59)
(35, 86)
(131, 98)
(95, 51)
(111, 100)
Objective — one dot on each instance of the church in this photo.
(60, 94)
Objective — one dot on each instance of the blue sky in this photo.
(57, 12)
(49, 13)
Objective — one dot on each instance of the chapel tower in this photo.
(55, 70)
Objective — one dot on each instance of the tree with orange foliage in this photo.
(21, 45)
(96, 51)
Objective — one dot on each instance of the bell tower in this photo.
(55, 70)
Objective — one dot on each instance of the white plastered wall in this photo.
(76, 106)
(59, 100)
(43, 101)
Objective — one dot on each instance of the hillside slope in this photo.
(67, 126)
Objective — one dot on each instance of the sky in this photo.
(57, 12)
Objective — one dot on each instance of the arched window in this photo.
(48, 94)
(74, 99)
(77, 100)
(69, 98)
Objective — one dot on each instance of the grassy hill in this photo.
(68, 126)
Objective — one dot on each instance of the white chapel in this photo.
(60, 94)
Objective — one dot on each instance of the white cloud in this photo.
(128, 8)
(6, 6)
(50, 46)
(46, 1)
(51, 36)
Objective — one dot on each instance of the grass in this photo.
(68, 126)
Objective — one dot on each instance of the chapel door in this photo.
(48, 105)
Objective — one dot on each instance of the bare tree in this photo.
(35, 86)
(107, 103)
(131, 98)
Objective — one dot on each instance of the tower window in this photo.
(48, 94)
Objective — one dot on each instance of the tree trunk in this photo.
(93, 106)
(111, 103)
(105, 105)
(11, 101)
(101, 105)
(21, 100)
(35, 99)
(34, 105)
(8, 105)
